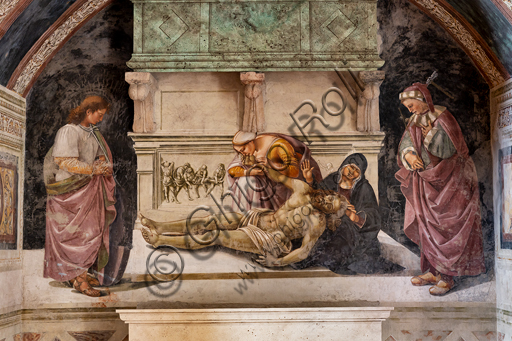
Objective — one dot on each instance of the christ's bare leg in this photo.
(179, 227)
(236, 240)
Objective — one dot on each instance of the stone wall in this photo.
(12, 147)
(501, 125)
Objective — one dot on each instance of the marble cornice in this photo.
(504, 315)
(13, 101)
(255, 315)
(60, 314)
(10, 319)
(369, 143)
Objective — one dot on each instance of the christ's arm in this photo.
(308, 241)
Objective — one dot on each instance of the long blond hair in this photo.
(77, 115)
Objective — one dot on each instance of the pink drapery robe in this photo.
(77, 228)
(442, 212)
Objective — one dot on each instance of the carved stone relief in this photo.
(368, 101)
(184, 177)
(12, 150)
(6, 6)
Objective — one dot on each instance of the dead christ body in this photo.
(261, 231)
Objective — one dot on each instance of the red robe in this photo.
(442, 211)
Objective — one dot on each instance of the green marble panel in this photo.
(347, 26)
(242, 35)
(255, 27)
(171, 27)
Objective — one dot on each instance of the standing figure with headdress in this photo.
(439, 181)
(283, 153)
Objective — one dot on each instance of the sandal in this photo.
(93, 281)
(443, 286)
(425, 279)
(81, 284)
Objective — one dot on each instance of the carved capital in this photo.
(254, 116)
(252, 77)
(141, 91)
(140, 84)
(368, 77)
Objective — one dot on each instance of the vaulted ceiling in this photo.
(32, 32)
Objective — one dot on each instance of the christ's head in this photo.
(325, 201)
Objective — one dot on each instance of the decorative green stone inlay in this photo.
(241, 35)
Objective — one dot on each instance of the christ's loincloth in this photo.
(260, 225)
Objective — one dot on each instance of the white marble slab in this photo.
(351, 323)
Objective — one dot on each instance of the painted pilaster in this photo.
(254, 115)
(368, 101)
(141, 91)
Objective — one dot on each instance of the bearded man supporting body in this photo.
(250, 187)
(264, 232)
(439, 182)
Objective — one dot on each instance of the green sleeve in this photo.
(441, 145)
(406, 142)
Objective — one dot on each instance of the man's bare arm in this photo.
(293, 184)
(295, 256)
(278, 177)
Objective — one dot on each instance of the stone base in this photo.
(450, 322)
(361, 323)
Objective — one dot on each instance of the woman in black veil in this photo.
(353, 245)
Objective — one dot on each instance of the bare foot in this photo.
(146, 222)
(150, 236)
(150, 224)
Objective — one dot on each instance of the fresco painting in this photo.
(505, 158)
(81, 201)
(439, 181)
(255, 155)
(297, 199)
(8, 201)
